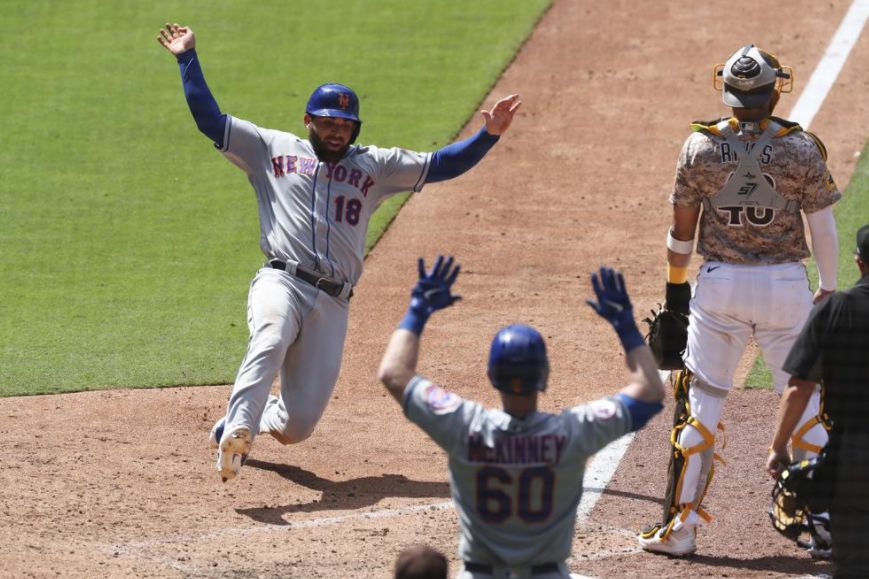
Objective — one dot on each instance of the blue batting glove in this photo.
(431, 293)
(614, 305)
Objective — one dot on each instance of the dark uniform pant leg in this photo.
(849, 517)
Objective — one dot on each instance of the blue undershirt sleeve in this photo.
(641, 412)
(210, 121)
(453, 160)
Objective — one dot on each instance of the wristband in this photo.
(631, 338)
(413, 321)
(677, 274)
(679, 246)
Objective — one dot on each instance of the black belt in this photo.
(541, 569)
(333, 288)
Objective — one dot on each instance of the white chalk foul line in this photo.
(272, 529)
(598, 474)
(831, 63)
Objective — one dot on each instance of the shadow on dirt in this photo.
(626, 494)
(341, 495)
(778, 564)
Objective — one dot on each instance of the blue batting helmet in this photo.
(334, 100)
(517, 360)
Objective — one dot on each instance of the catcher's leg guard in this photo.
(811, 434)
(697, 414)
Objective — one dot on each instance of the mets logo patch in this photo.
(440, 400)
(603, 409)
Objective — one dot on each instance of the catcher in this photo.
(746, 180)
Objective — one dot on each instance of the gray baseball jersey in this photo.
(516, 483)
(316, 214)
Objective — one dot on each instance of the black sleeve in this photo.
(804, 359)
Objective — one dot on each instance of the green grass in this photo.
(852, 212)
(127, 242)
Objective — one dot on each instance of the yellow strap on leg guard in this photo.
(797, 438)
(708, 442)
(681, 380)
(708, 439)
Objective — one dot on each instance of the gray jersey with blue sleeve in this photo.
(516, 483)
(315, 213)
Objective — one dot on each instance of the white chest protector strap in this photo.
(747, 186)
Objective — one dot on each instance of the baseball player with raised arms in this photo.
(747, 180)
(516, 473)
(315, 195)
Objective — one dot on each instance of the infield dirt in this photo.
(122, 483)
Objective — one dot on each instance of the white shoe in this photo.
(233, 451)
(216, 433)
(679, 542)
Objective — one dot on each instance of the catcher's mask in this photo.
(335, 100)
(517, 360)
(792, 498)
(750, 76)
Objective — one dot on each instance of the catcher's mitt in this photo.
(667, 337)
(668, 327)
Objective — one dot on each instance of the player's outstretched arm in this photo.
(457, 158)
(614, 305)
(431, 293)
(180, 41)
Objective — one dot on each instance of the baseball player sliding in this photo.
(315, 195)
(746, 180)
(516, 474)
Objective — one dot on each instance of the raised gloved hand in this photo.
(431, 293)
(614, 305)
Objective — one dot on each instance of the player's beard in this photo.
(322, 151)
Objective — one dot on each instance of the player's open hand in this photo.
(176, 38)
(432, 290)
(498, 119)
(613, 303)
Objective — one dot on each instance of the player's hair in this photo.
(421, 562)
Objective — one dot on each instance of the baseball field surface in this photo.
(121, 482)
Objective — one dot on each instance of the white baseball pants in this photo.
(730, 304)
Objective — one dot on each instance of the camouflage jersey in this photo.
(793, 163)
